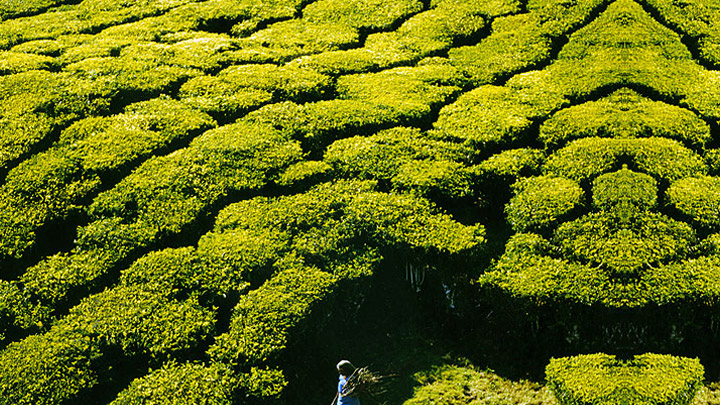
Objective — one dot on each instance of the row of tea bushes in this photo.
(403, 159)
(624, 239)
(530, 270)
(697, 197)
(464, 384)
(214, 383)
(52, 184)
(584, 159)
(141, 20)
(492, 115)
(163, 197)
(540, 202)
(695, 19)
(624, 114)
(77, 353)
(238, 89)
(522, 41)
(624, 187)
(159, 310)
(36, 104)
(84, 17)
(647, 379)
(14, 9)
(595, 58)
(424, 34)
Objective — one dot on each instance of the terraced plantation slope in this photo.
(486, 201)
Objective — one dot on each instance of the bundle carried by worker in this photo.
(363, 381)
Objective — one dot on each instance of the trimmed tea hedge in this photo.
(697, 197)
(460, 385)
(626, 187)
(381, 156)
(162, 197)
(625, 114)
(182, 383)
(492, 115)
(647, 379)
(540, 201)
(625, 239)
(215, 383)
(51, 185)
(238, 89)
(586, 158)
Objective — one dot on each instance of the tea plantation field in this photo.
(486, 201)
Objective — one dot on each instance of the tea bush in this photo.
(181, 383)
(540, 201)
(645, 379)
(238, 89)
(456, 385)
(625, 114)
(586, 158)
(698, 198)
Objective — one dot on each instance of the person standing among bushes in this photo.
(345, 389)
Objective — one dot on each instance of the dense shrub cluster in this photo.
(335, 145)
(645, 379)
(624, 114)
(695, 19)
(456, 385)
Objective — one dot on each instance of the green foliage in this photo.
(697, 197)
(48, 369)
(232, 257)
(103, 145)
(461, 385)
(16, 311)
(298, 37)
(307, 171)
(412, 92)
(18, 8)
(625, 239)
(322, 122)
(422, 35)
(139, 71)
(51, 185)
(492, 115)
(624, 187)
(558, 17)
(516, 43)
(42, 187)
(238, 89)
(696, 19)
(390, 220)
(181, 384)
(624, 114)
(512, 163)
(586, 158)
(162, 197)
(140, 321)
(527, 271)
(16, 62)
(63, 275)
(87, 16)
(489, 8)
(381, 156)
(263, 319)
(361, 14)
(646, 379)
(168, 192)
(433, 178)
(540, 201)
